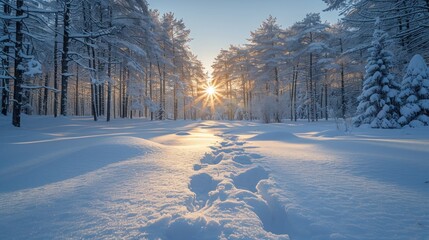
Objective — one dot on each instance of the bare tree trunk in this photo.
(45, 95)
(91, 61)
(310, 88)
(343, 91)
(121, 79)
(175, 102)
(5, 62)
(146, 92)
(109, 75)
(56, 66)
(77, 91)
(65, 58)
(125, 76)
(326, 101)
(184, 107)
(17, 92)
(277, 92)
(150, 89)
(40, 98)
(291, 93)
(109, 72)
(243, 93)
(294, 94)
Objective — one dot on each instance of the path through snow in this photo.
(93, 180)
(73, 178)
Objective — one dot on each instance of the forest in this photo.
(121, 59)
(112, 127)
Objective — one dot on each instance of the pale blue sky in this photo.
(215, 24)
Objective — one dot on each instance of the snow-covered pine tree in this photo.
(267, 47)
(377, 102)
(414, 94)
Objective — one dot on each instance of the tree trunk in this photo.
(151, 89)
(343, 91)
(277, 92)
(109, 75)
(56, 66)
(291, 101)
(77, 91)
(65, 58)
(175, 102)
(326, 101)
(5, 62)
(121, 79)
(310, 87)
(146, 92)
(294, 94)
(18, 73)
(45, 95)
(40, 98)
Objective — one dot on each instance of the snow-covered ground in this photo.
(136, 179)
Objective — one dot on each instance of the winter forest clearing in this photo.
(112, 127)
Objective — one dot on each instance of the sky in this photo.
(216, 24)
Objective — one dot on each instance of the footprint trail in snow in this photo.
(233, 192)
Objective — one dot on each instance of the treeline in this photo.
(313, 70)
(96, 57)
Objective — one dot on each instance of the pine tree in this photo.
(267, 47)
(414, 94)
(377, 102)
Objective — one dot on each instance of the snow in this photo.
(414, 94)
(75, 178)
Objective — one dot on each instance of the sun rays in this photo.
(210, 95)
(210, 90)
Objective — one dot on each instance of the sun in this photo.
(210, 95)
(211, 90)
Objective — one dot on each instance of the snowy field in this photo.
(134, 179)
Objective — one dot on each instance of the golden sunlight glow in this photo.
(210, 90)
(210, 95)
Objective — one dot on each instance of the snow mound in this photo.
(193, 227)
(183, 134)
(275, 136)
(66, 160)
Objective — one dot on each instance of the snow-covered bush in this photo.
(414, 94)
(378, 106)
(269, 108)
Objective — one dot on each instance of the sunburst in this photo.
(210, 90)
(210, 96)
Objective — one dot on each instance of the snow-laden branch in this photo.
(96, 34)
(39, 87)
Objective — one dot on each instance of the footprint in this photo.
(201, 184)
(197, 167)
(212, 159)
(243, 159)
(255, 156)
(250, 178)
(229, 150)
(274, 218)
(226, 144)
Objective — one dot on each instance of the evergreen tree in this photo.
(377, 102)
(414, 94)
(267, 47)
